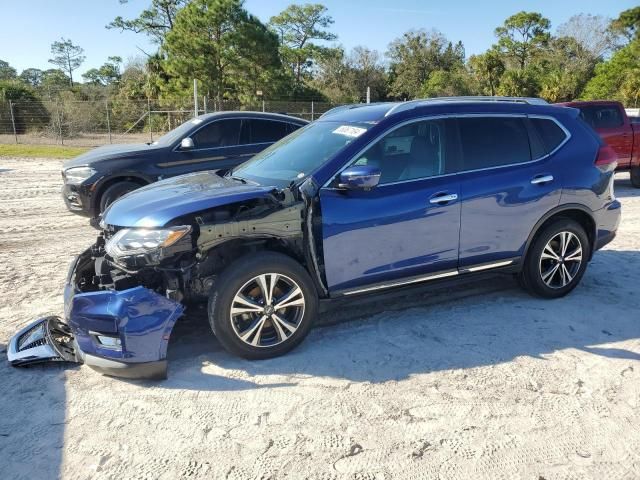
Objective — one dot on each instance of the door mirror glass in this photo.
(186, 144)
(359, 177)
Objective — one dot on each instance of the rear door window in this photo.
(493, 141)
(267, 131)
(219, 133)
(602, 116)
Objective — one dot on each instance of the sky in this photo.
(30, 26)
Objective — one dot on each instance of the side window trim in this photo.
(458, 155)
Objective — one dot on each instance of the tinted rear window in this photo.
(267, 131)
(549, 134)
(493, 141)
(601, 116)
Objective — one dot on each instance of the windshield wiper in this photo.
(239, 179)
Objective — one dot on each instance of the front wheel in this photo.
(557, 259)
(635, 177)
(116, 191)
(262, 306)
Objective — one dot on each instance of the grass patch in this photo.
(40, 151)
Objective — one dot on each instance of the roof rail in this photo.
(350, 106)
(401, 107)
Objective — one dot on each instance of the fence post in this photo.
(149, 117)
(59, 123)
(195, 97)
(106, 104)
(312, 119)
(263, 104)
(204, 102)
(13, 121)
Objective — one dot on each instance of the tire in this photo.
(635, 177)
(282, 328)
(540, 276)
(116, 191)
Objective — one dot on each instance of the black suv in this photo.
(215, 141)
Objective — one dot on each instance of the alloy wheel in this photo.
(267, 310)
(561, 260)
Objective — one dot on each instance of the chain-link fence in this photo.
(98, 122)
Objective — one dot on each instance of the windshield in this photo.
(178, 133)
(298, 154)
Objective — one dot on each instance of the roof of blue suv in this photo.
(376, 112)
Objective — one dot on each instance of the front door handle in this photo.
(443, 198)
(541, 179)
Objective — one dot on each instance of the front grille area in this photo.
(33, 337)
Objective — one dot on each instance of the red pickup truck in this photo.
(621, 132)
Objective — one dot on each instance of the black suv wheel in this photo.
(115, 191)
(262, 306)
(556, 260)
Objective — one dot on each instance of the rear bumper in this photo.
(120, 333)
(607, 223)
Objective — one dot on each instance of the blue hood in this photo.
(157, 204)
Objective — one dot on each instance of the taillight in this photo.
(607, 158)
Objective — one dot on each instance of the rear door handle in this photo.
(540, 179)
(443, 198)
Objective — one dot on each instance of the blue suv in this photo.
(365, 199)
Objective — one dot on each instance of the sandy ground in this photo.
(484, 382)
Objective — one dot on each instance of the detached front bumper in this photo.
(121, 333)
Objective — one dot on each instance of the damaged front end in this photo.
(124, 294)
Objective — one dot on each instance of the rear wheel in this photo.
(115, 191)
(263, 305)
(557, 259)
(635, 177)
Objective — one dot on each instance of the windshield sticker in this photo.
(349, 131)
(196, 121)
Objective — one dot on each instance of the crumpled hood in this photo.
(109, 152)
(158, 203)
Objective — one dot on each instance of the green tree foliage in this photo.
(617, 78)
(417, 54)
(447, 83)
(297, 28)
(155, 21)
(67, 57)
(7, 72)
(487, 70)
(627, 24)
(28, 110)
(53, 81)
(219, 43)
(32, 76)
(564, 69)
(107, 74)
(344, 78)
(522, 36)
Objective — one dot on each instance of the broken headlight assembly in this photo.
(146, 244)
(77, 175)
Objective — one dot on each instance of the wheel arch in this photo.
(577, 212)
(107, 182)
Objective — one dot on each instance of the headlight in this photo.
(76, 175)
(138, 241)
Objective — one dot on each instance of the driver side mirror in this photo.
(187, 143)
(359, 177)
